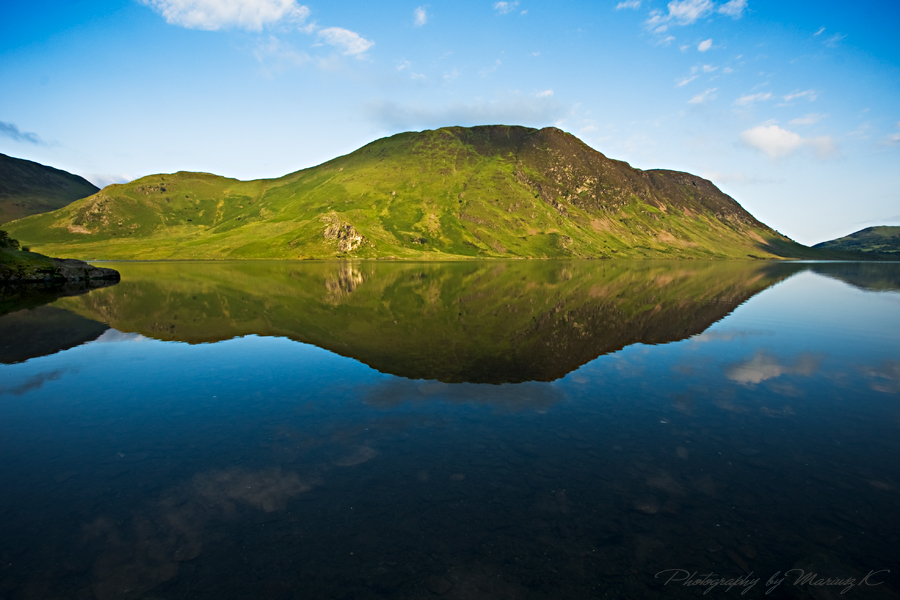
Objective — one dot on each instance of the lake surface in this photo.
(510, 430)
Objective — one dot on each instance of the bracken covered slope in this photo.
(29, 188)
(492, 191)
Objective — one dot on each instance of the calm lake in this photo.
(504, 430)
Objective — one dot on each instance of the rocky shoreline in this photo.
(53, 272)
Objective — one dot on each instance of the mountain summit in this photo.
(491, 191)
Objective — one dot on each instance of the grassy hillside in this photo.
(455, 192)
(29, 188)
(478, 321)
(873, 240)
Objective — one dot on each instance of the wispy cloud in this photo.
(276, 55)
(544, 94)
(212, 15)
(10, 130)
(734, 8)
(777, 142)
(892, 139)
(488, 70)
(808, 94)
(819, 32)
(349, 41)
(687, 80)
(704, 45)
(832, 42)
(687, 12)
(513, 109)
(504, 8)
(808, 119)
(709, 68)
(752, 99)
(101, 180)
(420, 17)
(634, 4)
(704, 97)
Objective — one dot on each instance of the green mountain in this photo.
(493, 191)
(880, 240)
(466, 321)
(29, 188)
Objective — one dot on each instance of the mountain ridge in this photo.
(881, 239)
(454, 192)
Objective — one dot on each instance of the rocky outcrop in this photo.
(53, 271)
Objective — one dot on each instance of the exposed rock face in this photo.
(348, 238)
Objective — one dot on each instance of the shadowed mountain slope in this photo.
(29, 188)
(492, 191)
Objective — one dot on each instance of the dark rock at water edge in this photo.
(54, 272)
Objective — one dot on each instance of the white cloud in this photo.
(420, 17)
(752, 98)
(734, 8)
(687, 80)
(451, 75)
(727, 70)
(808, 94)
(704, 45)
(350, 42)
(704, 97)
(709, 68)
(666, 40)
(512, 109)
(212, 15)
(778, 143)
(820, 31)
(629, 4)
(544, 94)
(808, 119)
(504, 8)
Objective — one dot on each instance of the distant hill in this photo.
(29, 188)
(492, 191)
(880, 240)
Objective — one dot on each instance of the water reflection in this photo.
(259, 467)
(483, 322)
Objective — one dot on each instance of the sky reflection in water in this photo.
(260, 466)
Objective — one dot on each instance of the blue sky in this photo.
(792, 108)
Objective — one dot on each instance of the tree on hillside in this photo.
(8, 242)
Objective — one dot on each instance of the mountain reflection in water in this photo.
(533, 431)
(478, 322)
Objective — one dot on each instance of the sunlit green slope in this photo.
(493, 191)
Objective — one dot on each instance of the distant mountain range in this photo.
(455, 192)
(29, 188)
(880, 240)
